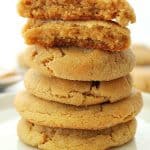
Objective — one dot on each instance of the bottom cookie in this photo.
(141, 78)
(69, 139)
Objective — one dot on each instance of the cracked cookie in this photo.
(84, 34)
(142, 54)
(80, 64)
(68, 139)
(94, 117)
(141, 78)
(118, 10)
(77, 92)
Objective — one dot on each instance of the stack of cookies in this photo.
(79, 92)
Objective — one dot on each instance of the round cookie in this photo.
(95, 117)
(76, 64)
(142, 54)
(141, 78)
(118, 10)
(77, 92)
(69, 139)
(84, 34)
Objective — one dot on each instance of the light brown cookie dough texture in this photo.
(80, 64)
(77, 92)
(68, 139)
(95, 117)
(141, 78)
(83, 34)
(118, 10)
(142, 54)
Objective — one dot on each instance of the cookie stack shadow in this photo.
(79, 91)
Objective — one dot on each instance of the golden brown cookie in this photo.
(141, 78)
(80, 64)
(84, 34)
(68, 139)
(77, 92)
(142, 54)
(118, 10)
(95, 117)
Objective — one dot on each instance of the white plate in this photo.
(9, 119)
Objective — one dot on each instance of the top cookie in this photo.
(118, 10)
(142, 54)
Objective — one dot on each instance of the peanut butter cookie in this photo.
(68, 139)
(95, 117)
(84, 34)
(118, 10)
(141, 78)
(80, 64)
(77, 93)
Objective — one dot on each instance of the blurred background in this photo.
(11, 41)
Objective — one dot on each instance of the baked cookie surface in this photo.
(80, 64)
(77, 92)
(84, 34)
(142, 54)
(95, 117)
(69, 139)
(141, 78)
(118, 10)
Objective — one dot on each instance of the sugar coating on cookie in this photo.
(141, 78)
(118, 10)
(142, 54)
(77, 92)
(95, 117)
(80, 64)
(84, 34)
(64, 139)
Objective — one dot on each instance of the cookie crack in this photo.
(112, 135)
(62, 52)
(85, 95)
